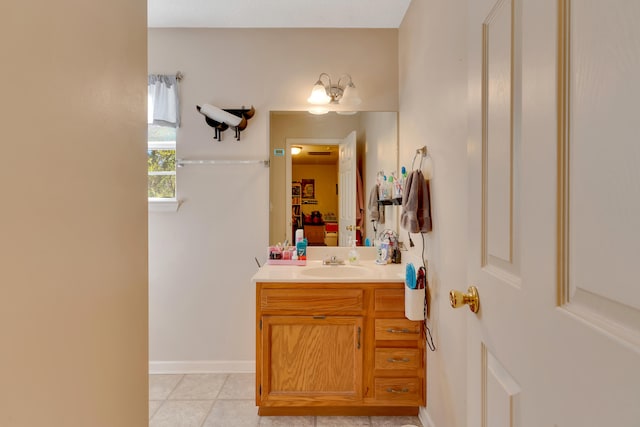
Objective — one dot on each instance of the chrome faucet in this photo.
(333, 260)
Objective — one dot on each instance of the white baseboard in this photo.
(424, 417)
(202, 367)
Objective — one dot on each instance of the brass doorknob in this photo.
(458, 299)
(353, 227)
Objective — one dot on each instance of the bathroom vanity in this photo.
(333, 340)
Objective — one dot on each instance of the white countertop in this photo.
(315, 272)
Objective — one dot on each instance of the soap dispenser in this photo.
(354, 257)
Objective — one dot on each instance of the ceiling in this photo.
(277, 13)
(316, 155)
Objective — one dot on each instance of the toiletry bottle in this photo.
(354, 258)
(386, 189)
(396, 256)
(301, 248)
(391, 185)
(383, 252)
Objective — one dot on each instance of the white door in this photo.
(554, 199)
(347, 189)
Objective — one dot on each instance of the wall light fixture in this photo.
(325, 92)
(296, 149)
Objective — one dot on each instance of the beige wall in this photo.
(433, 99)
(380, 148)
(326, 179)
(73, 221)
(201, 258)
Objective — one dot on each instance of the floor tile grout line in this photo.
(213, 403)
(227, 376)
(204, 419)
(157, 409)
(176, 386)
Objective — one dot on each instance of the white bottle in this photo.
(354, 257)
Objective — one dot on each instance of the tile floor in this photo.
(227, 400)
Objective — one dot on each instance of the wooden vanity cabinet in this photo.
(337, 349)
(314, 234)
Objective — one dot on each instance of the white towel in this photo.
(163, 101)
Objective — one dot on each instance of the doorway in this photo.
(312, 180)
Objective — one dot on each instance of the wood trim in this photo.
(339, 410)
(390, 300)
(395, 359)
(312, 301)
(483, 386)
(564, 68)
(485, 155)
(258, 320)
(400, 329)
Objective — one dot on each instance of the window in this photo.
(161, 162)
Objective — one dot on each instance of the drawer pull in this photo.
(393, 390)
(401, 331)
(403, 360)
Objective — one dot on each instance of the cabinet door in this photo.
(311, 360)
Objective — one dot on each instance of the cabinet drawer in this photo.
(398, 390)
(312, 301)
(397, 358)
(389, 300)
(397, 329)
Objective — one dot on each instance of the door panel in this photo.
(600, 172)
(347, 189)
(500, 140)
(501, 393)
(498, 133)
(308, 357)
(554, 213)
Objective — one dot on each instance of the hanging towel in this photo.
(359, 199)
(359, 207)
(416, 206)
(163, 100)
(376, 212)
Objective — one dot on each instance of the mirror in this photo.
(376, 141)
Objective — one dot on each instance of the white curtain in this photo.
(163, 103)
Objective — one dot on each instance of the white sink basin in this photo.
(336, 271)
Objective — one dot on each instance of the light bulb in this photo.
(318, 95)
(350, 96)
